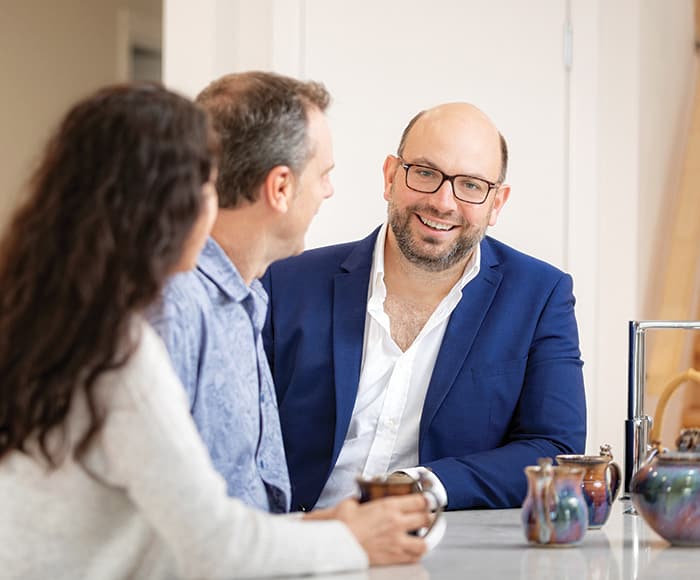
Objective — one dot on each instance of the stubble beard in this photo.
(411, 247)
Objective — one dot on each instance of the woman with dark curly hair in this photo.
(102, 472)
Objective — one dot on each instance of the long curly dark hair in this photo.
(109, 210)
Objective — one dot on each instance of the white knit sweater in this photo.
(145, 502)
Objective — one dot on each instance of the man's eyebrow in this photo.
(423, 161)
(428, 163)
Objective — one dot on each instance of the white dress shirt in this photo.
(383, 433)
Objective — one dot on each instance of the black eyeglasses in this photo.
(464, 187)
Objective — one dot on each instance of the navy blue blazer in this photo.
(507, 387)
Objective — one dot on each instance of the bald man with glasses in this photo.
(427, 347)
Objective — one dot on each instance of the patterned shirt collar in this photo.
(215, 264)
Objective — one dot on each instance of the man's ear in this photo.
(389, 170)
(499, 201)
(278, 188)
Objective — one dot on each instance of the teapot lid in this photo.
(679, 457)
(689, 440)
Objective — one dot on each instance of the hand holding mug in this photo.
(400, 484)
(381, 527)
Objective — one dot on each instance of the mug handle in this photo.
(437, 512)
(614, 477)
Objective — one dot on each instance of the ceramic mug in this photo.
(399, 483)
(554, 512)
(601, 482)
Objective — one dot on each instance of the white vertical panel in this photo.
(618, 212)
(288, 37)
(206, 39)
(189, 44)
(247, 26)
(583, 234)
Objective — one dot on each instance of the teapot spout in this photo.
(654, 449)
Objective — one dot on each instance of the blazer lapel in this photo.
(350, 287)
(461, 331)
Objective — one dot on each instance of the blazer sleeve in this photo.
(549, 418)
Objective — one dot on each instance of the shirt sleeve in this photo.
(437, 488)
(178, 321)
(149, 447)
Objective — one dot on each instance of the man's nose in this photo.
(444, 196)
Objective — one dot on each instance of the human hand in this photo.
(381, 527)
(320, 514)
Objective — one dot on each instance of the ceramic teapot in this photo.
(666, 488)
(554, 511)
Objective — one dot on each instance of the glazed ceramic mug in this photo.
(554, 512)
(399, 483)
(601, 482)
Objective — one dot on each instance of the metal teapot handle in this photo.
(677, 381)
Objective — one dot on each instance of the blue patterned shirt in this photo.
(211, 321)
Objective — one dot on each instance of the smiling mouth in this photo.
(437, 226)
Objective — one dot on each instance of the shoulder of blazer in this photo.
(328, 259)
(496, 254)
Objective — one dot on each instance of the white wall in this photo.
(617, 173)
(625, 108)
(384, 80)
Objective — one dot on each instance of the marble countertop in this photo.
(491, 544)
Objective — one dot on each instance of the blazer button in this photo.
(302, 508)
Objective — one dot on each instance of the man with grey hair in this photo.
(272, 177)
(427, 347)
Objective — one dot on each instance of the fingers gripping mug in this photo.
(399, 483)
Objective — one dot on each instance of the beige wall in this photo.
(644, 77)
(666, 95)
(51, 53)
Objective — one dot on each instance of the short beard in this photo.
(461, 248)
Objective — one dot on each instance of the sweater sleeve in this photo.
(149, 446)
